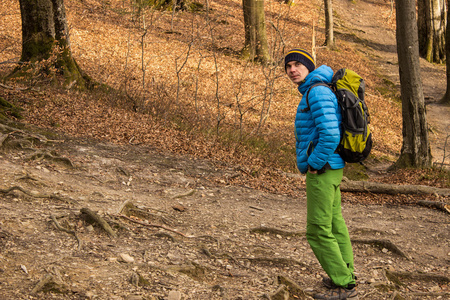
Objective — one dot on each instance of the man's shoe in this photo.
(338, 293)
(328, 283)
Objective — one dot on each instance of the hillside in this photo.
(106, 42)
(180, 100)
(193, 214)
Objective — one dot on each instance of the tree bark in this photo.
(432, 19)
(446, 98)
(256, 46)
(416, 151)
(329, 30)
(45, 39)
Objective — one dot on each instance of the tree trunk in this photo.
(416, 151)
(256, 47)
(45, 39)
(446, 98)
(432, 22)
(329, 31)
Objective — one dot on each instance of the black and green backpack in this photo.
(356, 139)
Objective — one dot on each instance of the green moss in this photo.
(9, 109)
(37, 48)
(356, 172)
(52, 58)
(195, 6)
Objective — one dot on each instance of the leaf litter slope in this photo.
(112, 52)
(221, 257)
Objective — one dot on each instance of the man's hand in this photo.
(312, 170)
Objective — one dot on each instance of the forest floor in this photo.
(180, 231)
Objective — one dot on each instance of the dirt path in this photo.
(220, 254)
(380, 46)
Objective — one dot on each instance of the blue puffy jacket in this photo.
(318, 130)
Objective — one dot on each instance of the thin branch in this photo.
(180, 69)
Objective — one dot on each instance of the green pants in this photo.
(326, 231)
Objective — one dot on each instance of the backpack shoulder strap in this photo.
(307, 95)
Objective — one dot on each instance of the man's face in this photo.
(296, 72)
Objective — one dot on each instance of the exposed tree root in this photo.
(11, 130)
(67, 230)
(415, 276)
(280, 293)
(295, 292)
(396, 296)
(275, 261)
(40, 155)
(34, 195)
(3, 137)
(28, 176)
(383, 244)
(188, 193)
(129, 209)
(138, 280)
(276, 231)
(368, 231)
(50, 283)
(384, 188)
(402, 279)
(165, 235)
(435, 204)
(434, 295)
(99, 220)
(153, 225)
(40, 285)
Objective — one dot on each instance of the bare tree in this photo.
(431, 27)
(256, 46)
(45, 39)
(446, 98)
(329, 30)
(416, 151)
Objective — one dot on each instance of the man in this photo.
(318, 132)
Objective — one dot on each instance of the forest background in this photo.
(175, 80)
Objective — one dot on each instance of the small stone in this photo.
(126, 258)
(179, 207)
(24, 268)
(134, 297)
(435, 289)
(174, 295)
